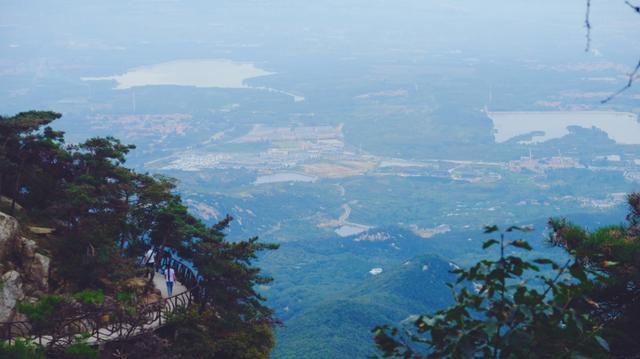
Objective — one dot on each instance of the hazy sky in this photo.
(480, 28)
(46, 47)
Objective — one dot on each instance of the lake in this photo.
(622, 127)
(351, 229)
(197, 73)
(284, 177)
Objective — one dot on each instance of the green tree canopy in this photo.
(511, 307)
(106, 215)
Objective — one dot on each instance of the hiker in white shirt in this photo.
(170, 278)
(149, 261)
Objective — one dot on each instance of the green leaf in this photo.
(490, 229)
(489, 243)
(545, 261)
(519, 243)
(521, 229)
(603, 343)
(578, 272)
(490, 326)
(519, 296)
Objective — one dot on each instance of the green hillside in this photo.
(341, 328)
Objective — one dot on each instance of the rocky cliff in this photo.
(24, 269)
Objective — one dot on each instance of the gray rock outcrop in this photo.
(24, 268)
(8, 233)
(38, 271)
(10, 294)
(35, 265)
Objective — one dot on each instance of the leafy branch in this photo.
(497, 314)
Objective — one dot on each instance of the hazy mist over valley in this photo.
(371, 139)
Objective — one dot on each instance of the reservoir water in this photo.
(622, 127)
(197, 73)
(284, 177)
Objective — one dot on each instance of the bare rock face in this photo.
(34, 266)
(8, 232)
(10, 294)
(25, 248)
(38, 271)
(27, 271)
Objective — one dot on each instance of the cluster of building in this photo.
(309, 149)
(541, 165)
(321, 151)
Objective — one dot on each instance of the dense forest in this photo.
(102, 217)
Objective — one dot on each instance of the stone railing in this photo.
(112, 325)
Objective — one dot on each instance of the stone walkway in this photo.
(105, 335)
(159, 283)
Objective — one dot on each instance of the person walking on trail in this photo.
(170, 278)
(149, 261)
